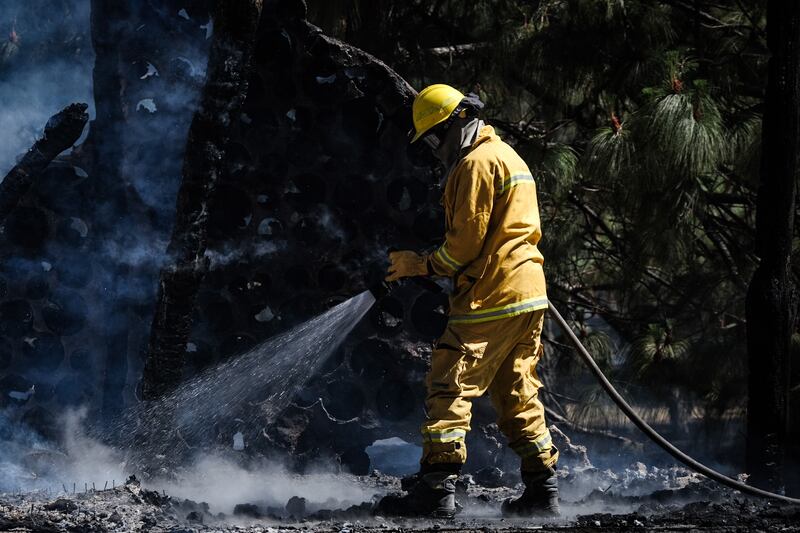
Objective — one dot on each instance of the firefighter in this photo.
(492, 340)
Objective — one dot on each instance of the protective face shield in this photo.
(469, 106)
(434, 136)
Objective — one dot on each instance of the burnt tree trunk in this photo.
(109, 20)
(235, 24)
(109, 24)
(60, 133)
(771, 302)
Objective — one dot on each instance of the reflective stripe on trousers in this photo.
(443, 436)
(529, 448)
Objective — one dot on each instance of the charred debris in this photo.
(131, 507)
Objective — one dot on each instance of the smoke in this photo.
(79, 284)
(394, 456)
(270, 373)
(30, 462)
(229, 253)
(138, 254)
(223, 483)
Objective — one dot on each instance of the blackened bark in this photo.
(60, 133)
(235, 24)
(771, 298)
(110, 21)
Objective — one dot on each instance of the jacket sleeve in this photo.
(471, 208)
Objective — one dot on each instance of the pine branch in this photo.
(578, 428)
(756, 27)
(725, 253)
(704, 17)
(455, 49)
(597, 219)
(722, 198)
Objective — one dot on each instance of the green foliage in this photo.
(654, 346)
(601, 347)
(687, 130)
(746, 147)
(557, 170)
(610, 154)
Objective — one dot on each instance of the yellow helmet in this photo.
(432, 106)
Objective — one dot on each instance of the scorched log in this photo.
(61, 132)
(235, 24)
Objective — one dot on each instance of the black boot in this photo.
(431, 494)
(540, 497)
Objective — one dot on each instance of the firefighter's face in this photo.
(448, 142)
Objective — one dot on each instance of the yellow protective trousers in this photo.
(500, 357)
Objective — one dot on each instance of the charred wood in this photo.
(223, 94)
(26, 524)
(108, 22)
(105, 147)
(60, 133)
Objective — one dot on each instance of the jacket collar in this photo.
(485, 134)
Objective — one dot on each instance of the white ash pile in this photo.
(637, 482)
(584, 483)
(125, 508)
(131, 507)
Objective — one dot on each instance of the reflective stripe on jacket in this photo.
(493, 227)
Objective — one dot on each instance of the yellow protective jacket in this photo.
(493, 227)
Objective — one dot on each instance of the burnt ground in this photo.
(697, 505)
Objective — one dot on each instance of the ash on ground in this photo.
(637, 498)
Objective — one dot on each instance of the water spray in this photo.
(259, 383)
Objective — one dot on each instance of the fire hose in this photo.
(650, 432)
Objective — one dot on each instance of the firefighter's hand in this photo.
(405, 264)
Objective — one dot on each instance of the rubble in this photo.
(571, 454)
(132, 508)
(248, 510)
(296, 507)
